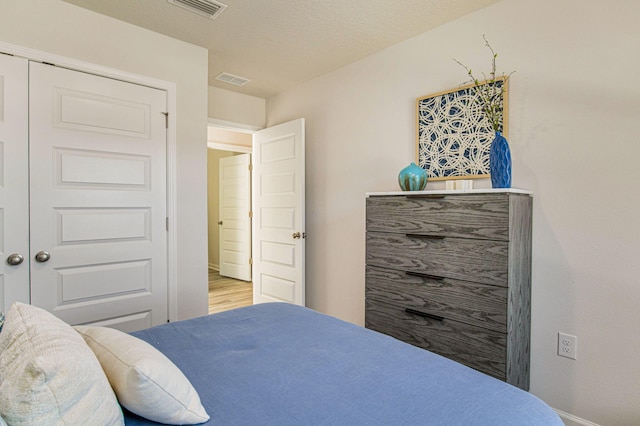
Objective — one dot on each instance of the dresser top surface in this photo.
(453, 192)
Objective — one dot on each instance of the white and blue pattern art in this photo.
(454, 136)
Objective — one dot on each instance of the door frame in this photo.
(170, 89)
(253, 130)
(231, 147)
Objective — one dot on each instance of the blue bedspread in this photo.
(280, 364)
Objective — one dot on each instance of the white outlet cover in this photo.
(567, 345)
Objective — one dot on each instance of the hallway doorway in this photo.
(224, 292)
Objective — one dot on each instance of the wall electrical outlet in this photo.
(567, 345)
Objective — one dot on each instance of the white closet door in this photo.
(14, 178)
(98, 199)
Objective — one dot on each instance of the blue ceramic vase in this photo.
(412, 178)
(500, 162)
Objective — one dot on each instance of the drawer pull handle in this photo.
(428, 196)
(423, 314)
(425, 237)
(420, 274)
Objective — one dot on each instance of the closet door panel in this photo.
(14, 199)
(98, 195)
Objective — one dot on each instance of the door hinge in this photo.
(250, 167)
(166, 119)
(251, 261)
(166, 222)
(250, 214)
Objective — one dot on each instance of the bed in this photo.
(280, 364)
(267, 364)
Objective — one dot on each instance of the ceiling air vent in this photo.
(207, 8)
(232, 79)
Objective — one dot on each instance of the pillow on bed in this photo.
(48, 374)
(146, 382)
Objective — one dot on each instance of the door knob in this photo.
(42, 256)
(219, 222)
(296, 235)
(15, 259)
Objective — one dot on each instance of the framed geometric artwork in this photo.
(453, 134)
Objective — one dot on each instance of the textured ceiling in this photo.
(278, 44)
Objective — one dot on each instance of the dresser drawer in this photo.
(472, 303)
(482, 261)
(481, 349)
(469, 216)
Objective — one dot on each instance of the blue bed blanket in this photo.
(280, 364)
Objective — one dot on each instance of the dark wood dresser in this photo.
(451, 272)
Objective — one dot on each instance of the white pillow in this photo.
(48, 374)
(146, 382)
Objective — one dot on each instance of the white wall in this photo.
(57, 27)
(225, 105)
(574, 126)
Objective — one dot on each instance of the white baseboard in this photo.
(571, 420)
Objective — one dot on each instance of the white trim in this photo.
(229, 147)
(65, 62)
(232, 125)
(170, 88)
(573, 420)
(447, 192)
(172, 205)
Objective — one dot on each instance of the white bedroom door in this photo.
(14, 181)
(278, 214)
(235, 216)
(98, 199)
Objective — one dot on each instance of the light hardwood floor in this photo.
(226, 293)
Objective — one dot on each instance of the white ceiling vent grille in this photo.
(232, 79)
(207, 8)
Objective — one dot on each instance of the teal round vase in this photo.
(412, 178)
(500, 162)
